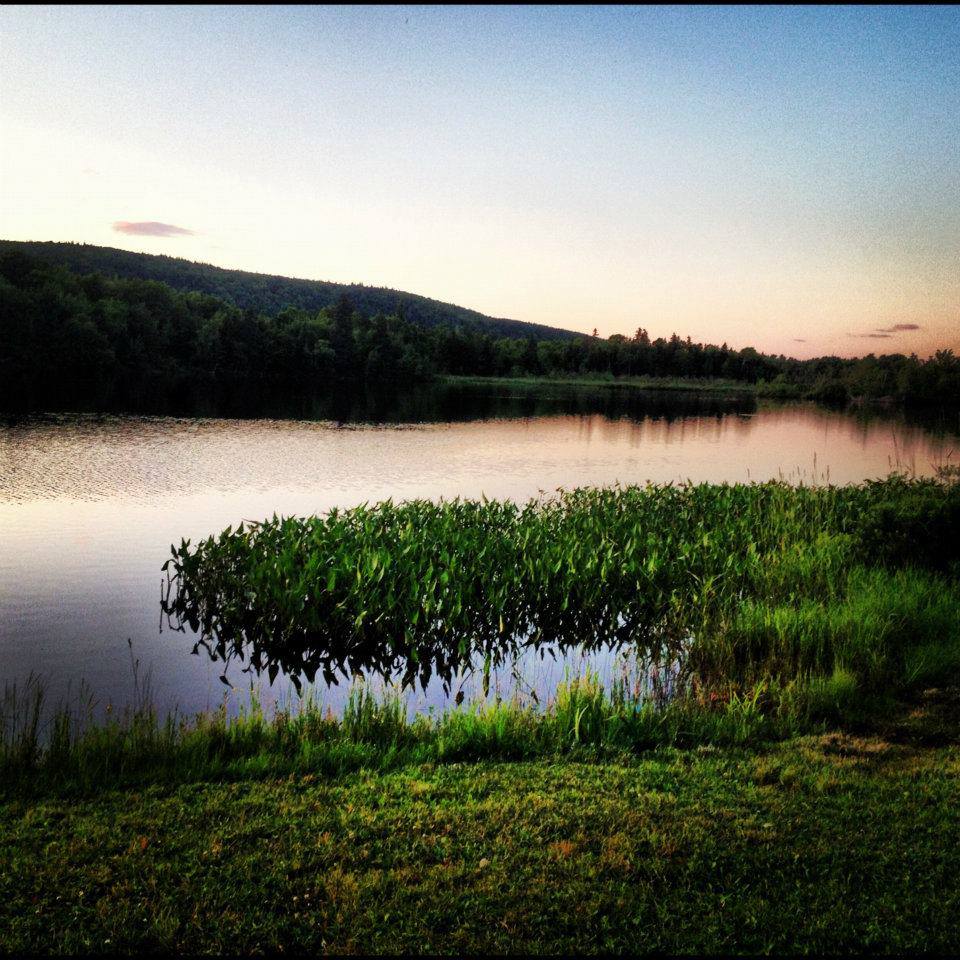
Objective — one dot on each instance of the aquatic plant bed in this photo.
(736, 585)
(828, 844)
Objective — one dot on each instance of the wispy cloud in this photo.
(151, 228)
(886, 333)
(799, 340)
(897, 327)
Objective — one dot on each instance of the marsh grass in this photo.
(375, 731)
(609, 381)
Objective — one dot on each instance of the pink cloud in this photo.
(151, 228)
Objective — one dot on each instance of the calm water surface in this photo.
(89, 505)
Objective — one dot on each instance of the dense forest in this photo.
(271, 294)
(66, 336)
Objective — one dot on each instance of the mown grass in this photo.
(827, 844)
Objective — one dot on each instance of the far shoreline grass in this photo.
(682, 384)
(775, 390)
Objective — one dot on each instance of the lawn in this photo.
(834, 842)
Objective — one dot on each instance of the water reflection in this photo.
(67, 459)
(234, 629)
(436, 402)
(464, 401)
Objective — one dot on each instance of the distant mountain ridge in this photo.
(269, 293)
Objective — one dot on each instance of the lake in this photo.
(90, 504)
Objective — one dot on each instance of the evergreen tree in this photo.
(341, 337)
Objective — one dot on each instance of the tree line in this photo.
(62, 334)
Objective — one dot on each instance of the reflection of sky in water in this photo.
(89, 507)
(532, 679)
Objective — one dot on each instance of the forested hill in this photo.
(88, 335)
(270, 294)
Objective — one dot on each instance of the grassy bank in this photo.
(776, 389)
(826, 389)
(830, 843)
(65, 753)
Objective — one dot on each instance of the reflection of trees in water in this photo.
(440, 402)
(446, 402)
(231, 624)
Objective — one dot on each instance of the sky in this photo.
(784, 178)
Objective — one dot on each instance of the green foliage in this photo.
(833, 698)
(868, 632)
(67, 752)
(763, 577)
(912, 524)
(829, 390)
(751, 611)
(779, 388)
(369, 718)
(98, 340)
(262, 293)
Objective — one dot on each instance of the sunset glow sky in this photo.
(781, 178)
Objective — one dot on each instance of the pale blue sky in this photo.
(758, 175)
